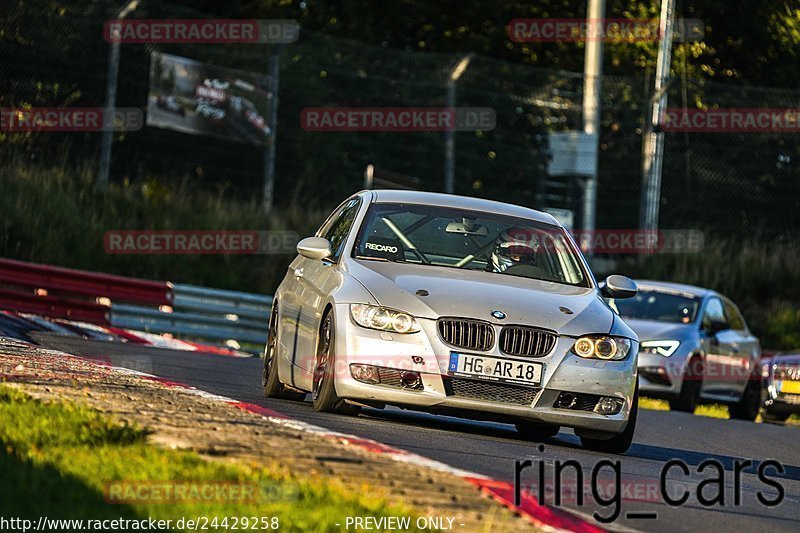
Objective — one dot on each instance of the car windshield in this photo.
(659, 306)
(456, 238)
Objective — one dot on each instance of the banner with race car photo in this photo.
(193, 97)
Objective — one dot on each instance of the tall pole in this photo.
(450, 135)
(450, 143)
(269, 156)
(653, 149)
(592, 107)
(104, 166)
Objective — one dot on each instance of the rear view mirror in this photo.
(466, 227)
(619, 287)
(314, 248)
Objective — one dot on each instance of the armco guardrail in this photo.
(27, 302)
(242, 304)
(144, 305)
(84, 283)
(197, 325)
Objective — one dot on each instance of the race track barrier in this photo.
(242, 304)
(131, 303)
(84, 283)
(195, 325)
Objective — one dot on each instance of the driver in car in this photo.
(516, 250)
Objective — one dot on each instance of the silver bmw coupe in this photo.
(459, 306)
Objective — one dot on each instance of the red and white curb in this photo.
(542, 516)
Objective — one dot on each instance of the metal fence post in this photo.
(654, 140)
(450, 134)
(592, 108)
(450, 142)
(104, 166)
(269, 158)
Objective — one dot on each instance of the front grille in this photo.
(655, 375)
(467, 334)
(793, 399)
(492, 392)
(521, 340)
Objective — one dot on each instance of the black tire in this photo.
(774, 418)
(535, 431)
(620, 442)
(323, 390)
(748, 407)
(273, 388)
(689, 396)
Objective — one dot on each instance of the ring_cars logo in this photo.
(381, 247)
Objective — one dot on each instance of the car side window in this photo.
(338, 228)
(714, 312)
(734, 316)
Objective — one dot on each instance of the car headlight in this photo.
(602, 347)
(665, 348)
(383, 318)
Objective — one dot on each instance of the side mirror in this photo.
(715, 326)
(316, 248)
(619, 287)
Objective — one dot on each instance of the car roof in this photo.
(699, 292)
(460, 202)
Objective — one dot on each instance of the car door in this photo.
(316, 281)
(289, 307)
(717, 341)
(745, 349)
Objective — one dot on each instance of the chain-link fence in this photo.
(720, 182)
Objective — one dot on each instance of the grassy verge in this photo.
(55, 215)
(58, 458)
(713, 410)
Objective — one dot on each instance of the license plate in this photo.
(495, 369)
(790, 387)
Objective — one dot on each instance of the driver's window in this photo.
(734, 317)
(338, 227)
(714, 313)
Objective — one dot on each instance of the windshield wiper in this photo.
(369, 258)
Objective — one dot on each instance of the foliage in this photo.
(54, 215)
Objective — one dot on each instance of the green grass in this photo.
(713, 410)
(652, 404)
(57, 459)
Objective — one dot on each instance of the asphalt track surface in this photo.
(492, 448)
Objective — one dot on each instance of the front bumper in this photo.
(424, 353)
(659, 376)
(776, 398)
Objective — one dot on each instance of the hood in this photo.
(654, 330)
(475, 294)
(787, 359)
